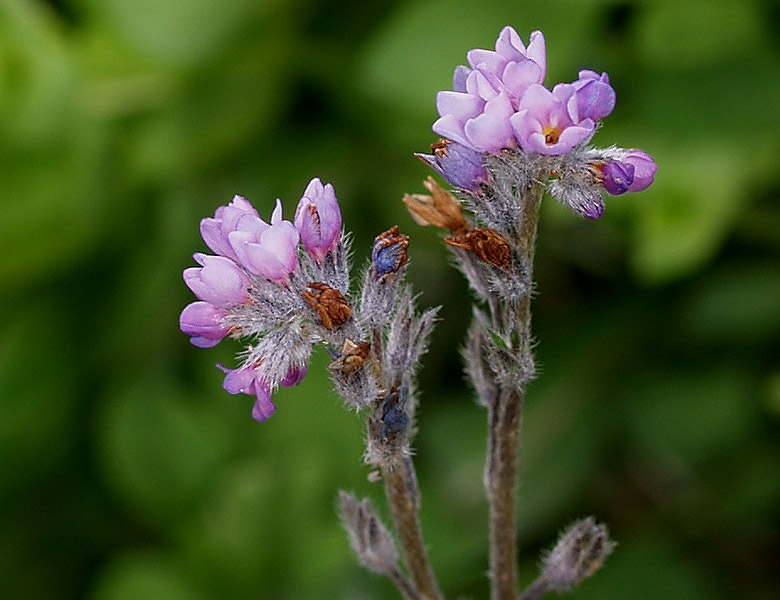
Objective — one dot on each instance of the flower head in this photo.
(318, 219)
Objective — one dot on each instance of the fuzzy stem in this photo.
(505, 417)
(403, 497)
(403, 585)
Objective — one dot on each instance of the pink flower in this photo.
(512, 67)
(218, 281)
(214, 231)
(593, 98)
(203, 321)
(544, 124)
(270, 251)
(246, 380)
(318, 219)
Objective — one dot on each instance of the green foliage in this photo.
(128, 472)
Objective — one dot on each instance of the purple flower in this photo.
(477, 118)
(203, 321)
(644, 169)
(543, 123)
(616, 176)
(270, 251)
(214, 231)
(593, 98)
(218, 281)
(318, 219)
(512, 67)
(459, 165)
(246, 380)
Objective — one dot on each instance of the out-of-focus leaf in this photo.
(148, 575)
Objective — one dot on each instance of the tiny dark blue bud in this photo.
(394, 415)
(388, 255)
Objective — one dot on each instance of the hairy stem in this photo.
(404, 499)
(505, 415)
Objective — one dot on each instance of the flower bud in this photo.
(594, 97)
(202, 321)
(459, 165)
(388, 255)
(370, 539)
(644, 169)
(615, 176)
(579, 553)
(318, 219)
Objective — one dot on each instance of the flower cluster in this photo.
(251, 287)
(499, 103)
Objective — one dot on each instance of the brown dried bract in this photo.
(441, 209)
(489, 245)
(352, 357)
(329, 303)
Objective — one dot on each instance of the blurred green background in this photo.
(126, 471)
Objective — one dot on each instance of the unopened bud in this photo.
(389, 253)
(329, 304)
(459, 165)
(441, 209)
(369, 538)
(579, 553)
(489, 245)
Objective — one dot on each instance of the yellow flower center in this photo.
(551, 135)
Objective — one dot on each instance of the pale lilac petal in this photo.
(276, 216)
(524, 126)
(202, 321)
(486, 60)
(459, 78)
(318, 219)
(488, 133)
(510, 45)
(519, 75)
(477, 83)
(461, 106)
(219, 281)
(537, 99)
(450, 128)
(644, 169)
(263, 407)
(537, 51)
